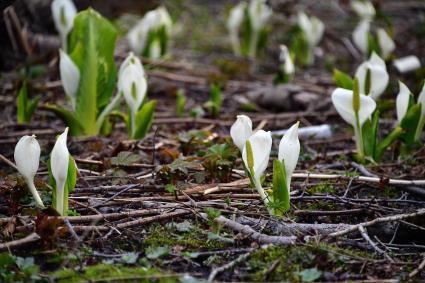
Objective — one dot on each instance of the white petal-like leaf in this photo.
(379, 76)
(241, 130)
(261, 144)
(70, 76)
(360, 36)
(289, 150)
(402, 101)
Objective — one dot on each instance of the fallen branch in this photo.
(33, 237)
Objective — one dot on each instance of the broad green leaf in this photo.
(342, 80)
(280, 188)
(125, 158)
(68, 117)
(144, 119)
(387, 142)
(370, 134)
(310, 275)
(31, 106)
(21, 103)
(249, 157)
(410, 123)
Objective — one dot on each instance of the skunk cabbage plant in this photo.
(63, 174)
(132, 85)
(247, 27)
(313, 30)
(88, 74)
(63, 12)
(150, 36)
(373, 76)
(355, 108)
(27, 158)
(283, 168)
(407, 64)
(363, 8)
(287, 68)
(255, 156)
(241, 130)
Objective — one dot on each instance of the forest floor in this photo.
(176, 206)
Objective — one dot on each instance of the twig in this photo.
(33, 237)
(365, 236)
(418, 269)
(8, 162)
(377, 220)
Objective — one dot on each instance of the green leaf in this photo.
(180, 102)
(387, 142)
(157, 252)
(91, 45)
(31, 106)
(342, 80)
(67, 117)
(280, 188)
(144, 119)
(310, 275)
(21, 103)
(125, 158)
(129, 258)
(410, 124)
(370, 134)
(249, 157)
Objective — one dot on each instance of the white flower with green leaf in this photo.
(402, 101)
(234, 22)
(150, 36)
(361, 36)
(287, 67)
(62, 170)
(70, 76)
(283, 168)
(385, 42)
(63, 12)
(255, 156)
(355, 108)
(27, 158)
(373, 76)
(313, 30)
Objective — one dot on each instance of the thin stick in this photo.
(33, 237)
(365, 236)
(418, 269)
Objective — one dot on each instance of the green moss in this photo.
(194, 239)
(323, 188)
(291, 261)
(111, 273)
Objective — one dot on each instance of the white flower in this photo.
(364, 9)
(259, 14)
(151, 22)
(289, 151)
(407, 64)
(261, 145)
(241, 130)
(361, 36)
(402, 101)
(234, 22)
(132, 85)
(312, 27)
(379, 77)
(59, 159)
(285, 57)
(63, 12)
(342, 99)
(70, 76)
(27, 158)
(386, 43)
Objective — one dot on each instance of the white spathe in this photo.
(421, 99)
(261, 144)
(234, 22)
(132, 82)
(63, 12)
(364, 9)
(361, 36)
(385, 42)
(27, 159)
(312, 27)
(289, 151)
(407, 64)
(241, 130)
(59, 160)
(153, 20)
(402, 101)
(342, 100)
(286, 59)
(70, 76)
(259, 14)
(379, 77)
